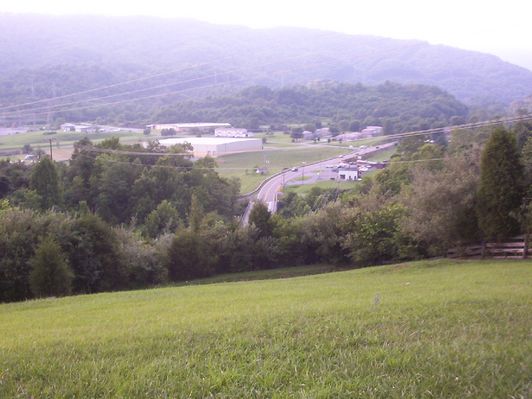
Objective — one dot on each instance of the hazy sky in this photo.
(500, 27)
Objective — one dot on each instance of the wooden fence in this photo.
(514, 248)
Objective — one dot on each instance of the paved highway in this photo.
(269, 190)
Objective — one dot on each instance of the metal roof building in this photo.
(216, 146)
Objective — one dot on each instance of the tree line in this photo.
(98, 226)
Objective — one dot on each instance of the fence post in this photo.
(483, 249)
(525, 249)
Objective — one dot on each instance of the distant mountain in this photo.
(42, 56)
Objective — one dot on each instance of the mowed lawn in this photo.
(430, 329)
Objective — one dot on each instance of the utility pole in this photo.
(51, 155)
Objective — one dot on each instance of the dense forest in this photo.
(397, 107)
(117, 218)
(46, 56)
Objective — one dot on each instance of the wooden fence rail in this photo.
(513, 248)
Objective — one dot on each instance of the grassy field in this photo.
(383, 155)
(241, 165)
(305, 188)
(432, 329)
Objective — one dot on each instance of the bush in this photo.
(50, 275)
(188, 257)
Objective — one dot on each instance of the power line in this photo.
(102, 87)
(442, 129)
(29, 113)
(135, 80)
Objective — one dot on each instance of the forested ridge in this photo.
(46, 56)
(398, 108)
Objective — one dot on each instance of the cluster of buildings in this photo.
(92, 128)
(370, 131)
(318, 134)
(325, 134)
(355, 170)
(232, 132)
(80, 127)
(191, 128)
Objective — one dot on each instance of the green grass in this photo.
(282, 272)
(305, 188)
(38, 139)
(359, 142)
(235, 165)
(434, 329)
(383, 155)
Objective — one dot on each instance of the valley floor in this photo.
(442, 328)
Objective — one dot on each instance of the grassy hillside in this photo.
(423, 329)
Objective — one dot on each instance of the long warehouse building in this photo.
(216, 146)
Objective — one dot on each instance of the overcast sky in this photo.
(502, 28)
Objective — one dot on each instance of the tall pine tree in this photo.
(51, 275)
(501, 186)
(45, 181)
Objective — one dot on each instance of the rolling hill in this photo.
(44, 56)
(424, 329)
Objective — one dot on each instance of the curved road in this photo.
(269, 191)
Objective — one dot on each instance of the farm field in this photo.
(441, 328)
(242, 165)
(62, 142)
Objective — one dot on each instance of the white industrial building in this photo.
(373, 131)
(216, 146)
(189, 127)
(79, 127)
(232, 132)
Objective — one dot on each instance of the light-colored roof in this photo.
(203, 140)
(192, 125)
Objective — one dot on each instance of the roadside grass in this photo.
(443, 329)
(325, 184)
(242, 165)
(359, 142)
(383, 155)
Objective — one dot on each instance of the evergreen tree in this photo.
(195, 214)
(45, 181)
(260, 217)
(189, 257)
(500, 190)
(51, 274)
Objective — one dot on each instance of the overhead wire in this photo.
(240, 79)
(135, 80)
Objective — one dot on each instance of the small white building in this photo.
(373, 131)
(349, 173)
(323, 133)
(232, 132)
(79, 127)
(348, 136)
(307, 135)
